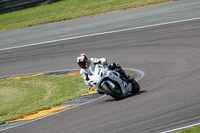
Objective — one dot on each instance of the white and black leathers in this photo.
(90, 69)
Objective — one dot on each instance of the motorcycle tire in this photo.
(135, 87)
(110, 92)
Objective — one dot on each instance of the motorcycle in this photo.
(112, 83)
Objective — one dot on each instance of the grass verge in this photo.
(21, 97)
(195, 129)
(67, 9)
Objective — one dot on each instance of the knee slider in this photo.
(114, 66)
(111, 66)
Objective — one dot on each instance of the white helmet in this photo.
(83, 60)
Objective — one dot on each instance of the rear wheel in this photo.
(114, 92)
(135, 87)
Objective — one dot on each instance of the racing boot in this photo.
(125, 75)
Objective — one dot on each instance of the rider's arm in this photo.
(85, 77)
(102, 61)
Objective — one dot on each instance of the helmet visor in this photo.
(82, 64)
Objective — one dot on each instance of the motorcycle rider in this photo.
(88, 65)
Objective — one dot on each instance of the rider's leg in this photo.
(118, 68)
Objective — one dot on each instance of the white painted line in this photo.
(49, 115)
(181, 128)
(136, 70)
(29, 121)
(103, 33)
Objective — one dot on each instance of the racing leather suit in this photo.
(90, 69)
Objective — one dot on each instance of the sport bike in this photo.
(112, 83)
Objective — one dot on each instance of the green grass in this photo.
(67, 9)
(195, 129)
(21, 97)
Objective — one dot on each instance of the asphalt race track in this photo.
(168, 54)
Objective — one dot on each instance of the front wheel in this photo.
(135, 87)
(114, 92)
